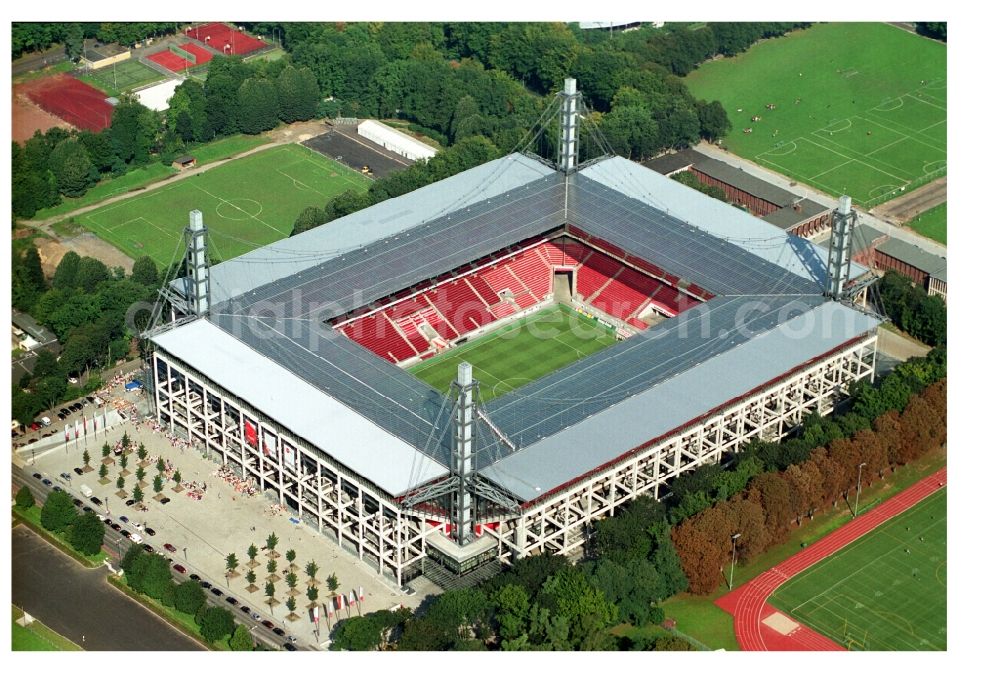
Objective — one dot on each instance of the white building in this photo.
(396, 141)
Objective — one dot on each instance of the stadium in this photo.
(477, 370)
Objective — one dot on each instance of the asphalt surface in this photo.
(79, 603)
(344, 145)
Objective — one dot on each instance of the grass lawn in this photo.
(519, 353)
(886, 591)
(932, 223)
(700, 618)
(122, 77)
(182, 621)
(36, 636)
(860, 108)
(54, 69)
(32, 518)
(227, 147)
(247, 203)
(137, 178)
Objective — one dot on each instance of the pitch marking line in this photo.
(910, 136)
(355, 178)
(262, 221)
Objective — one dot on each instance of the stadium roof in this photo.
(789, 216)
(272, 303)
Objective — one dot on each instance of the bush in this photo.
(25, 499)
(216, 623)
(189, 597)
(87, 534)
(58, 512)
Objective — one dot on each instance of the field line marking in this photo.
(928, 103)
(838, 166)
(296, 181)
(261, 220)
(891, 143)
(349, 174)
(931, 146)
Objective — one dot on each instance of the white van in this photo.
(85, 489)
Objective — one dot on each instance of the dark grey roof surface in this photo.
(748, 183)
(674, 162)
(788, 217)
(366, 274)
(862, 237)
(911, 254)
(710, 262)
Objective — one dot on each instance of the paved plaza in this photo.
(225, 521)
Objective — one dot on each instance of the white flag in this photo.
(361, 593)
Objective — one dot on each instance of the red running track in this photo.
(748, 603)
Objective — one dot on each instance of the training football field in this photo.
(519, 353)
(859, 108)
(246, 203)
(886, 591)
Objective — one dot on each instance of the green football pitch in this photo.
(124, 76)
(886, 591)
(932, 223)
(519, 353)
(246, 203)
(859, 108)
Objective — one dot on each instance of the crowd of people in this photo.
(240, 485)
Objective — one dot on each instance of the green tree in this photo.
(177, 477)
(133, 131)
(241, 639)
(144, 271)
(140, 473)
(190, 597)
(156, 578)
(157, 483)
(142, 452)
(308, 219)
(216, 623)
(312, 569)
(291, 579)
(272, 566)
(332, 583)
(258, 105)
(71, 165)
(290, 604)
(102, 471)
(570, 595)
(58, 511)
(24, 499)
(137, 493)
(251, 577)
(269, 591)
(161, 465)
(106, 450)
(252, 552)
(290, 556)
(91, 273)
(231, 563)
(66, 272)
(123, 461)
(312, 593)
(86, 458)
(271, 543)
(713, 119)
(120, 483)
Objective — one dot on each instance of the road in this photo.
(782, 181)
(78, 602)
(37, 60)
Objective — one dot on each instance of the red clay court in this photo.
(177, 63)
(748, 603)
(69, 99)
(219, 35)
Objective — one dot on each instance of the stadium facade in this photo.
(287, 362)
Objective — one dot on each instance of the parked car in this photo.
(148, 547)
(129, 502)
(36, 475)
(289, 647)
(245, 609)
(36, 426)
(255, 616)
(136, 538)
(164, 501)
(96, 500)
(61, 416)
(292, 639)
(108, 522)
(150, 532)
(126, 534)
(279, 631)
(46, 421)
(268, 624)
(195, 576)
(88, 508)
(169, 547)
(231, 600)
(116, 526)
(123, 519)
(57, 489)
(205, 584)
(78, 502)
(46, 482)
(179, 568)
(78, 471)
(216, 591)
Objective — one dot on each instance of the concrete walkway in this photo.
(783, 181)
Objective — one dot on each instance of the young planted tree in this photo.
(102, 472)
(137, 493)
(291, 580)
(142, 452)
(123, 461)
(272, 567)
(290, 604)
(161, 466)
(269, 593)
(252, 554)
(251, 579)
(231, 563)
(125, 443)
(312, 593)
(86, 458)
(311, 570)
(177, 478)
(140, 474)
(157, 483)
(271, 544)
(290, 556)
(106, 450)
(332, 583)
(120, 483)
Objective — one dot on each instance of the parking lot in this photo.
(344, 145)
(202, 531)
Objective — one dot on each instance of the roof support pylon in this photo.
(465, 390)
(197, 265)
(838, 266)
(569, 132)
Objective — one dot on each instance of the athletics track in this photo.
(748, 603)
